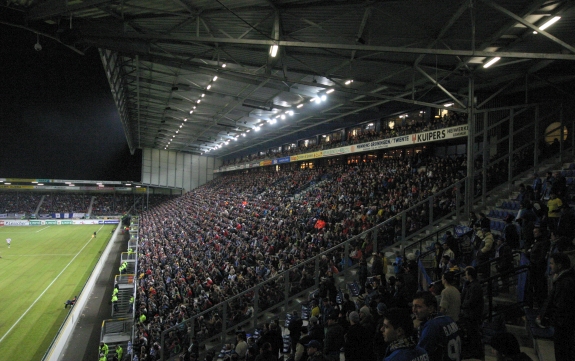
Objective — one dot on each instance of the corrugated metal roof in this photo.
(180, 46)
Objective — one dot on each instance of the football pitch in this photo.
(44, 267)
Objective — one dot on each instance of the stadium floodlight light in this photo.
(323, 98)
(491, 62)
(128, 184)
(299, 105)
(330, 91)
(349, 81)
(198, 101)
(257, 129)
(209, 86)
(243, 134)
(223, 65)
(283, 117)
(550, 22)
(203, 95)
(215, 78)
(274, 50)
(191, 111)
(40, 184)
(448, 105)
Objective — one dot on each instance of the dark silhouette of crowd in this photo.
(19, 202)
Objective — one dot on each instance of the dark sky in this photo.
(57, 115)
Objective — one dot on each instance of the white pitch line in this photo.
(40, 230)
(42, 294)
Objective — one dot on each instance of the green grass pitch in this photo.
(44, 267)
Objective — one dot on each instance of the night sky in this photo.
(57, 115)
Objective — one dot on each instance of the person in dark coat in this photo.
(538, 267)
(510, 233)
(559, 309)
(334, 337)
(356, 345)
(471, 316)
(295, 327)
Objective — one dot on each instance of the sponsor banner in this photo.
(56, 215)
(86, 221)
(66, 222)
(36, 223)
(306, 156)
(19, 214)
(50, 222)
(4, 215)
(4, 186)
(112, 221)
(123, 188)
(404, 140)
(78, 215)
(46, 215)
(16, 223)
(281, 160)
(84, 181)
(337, 151)
(1, 223)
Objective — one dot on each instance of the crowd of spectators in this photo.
(19, 202)
(103, 205)
(406, 126)
(239, 230)
(65, 203)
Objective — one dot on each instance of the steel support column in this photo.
(510, 151)
(561, 132)
(485, 158)
(470, 184)
(440, 86)
(536, 151)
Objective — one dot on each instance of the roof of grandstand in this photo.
(193, 76)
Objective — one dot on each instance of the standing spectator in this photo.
(526, 218)
(553, 211)
(398, 332)
(266, 353)
(447, 251)
(510, 233)
(334, 338)
(538, 267)
(314, 351)
(486, 249)
(295, 327)
(450, 304)
(471, 316)
(566, 222)
(537, 185)
(453, 244)
(437, 261)
(484, 222)
(439, 335)
(559, 309)
(241, 346)
(357, 346)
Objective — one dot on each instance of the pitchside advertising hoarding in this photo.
(404, 140)
(54, 222)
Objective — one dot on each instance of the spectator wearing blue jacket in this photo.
(398, 332)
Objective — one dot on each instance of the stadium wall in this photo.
(176, 169)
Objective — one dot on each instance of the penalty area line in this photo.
(45, 290)
(40, 230)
